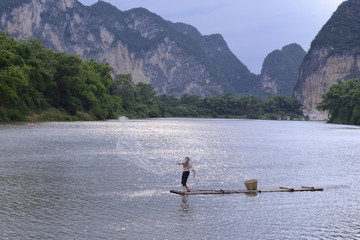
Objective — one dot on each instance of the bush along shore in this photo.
(38, 84)
(342, 102)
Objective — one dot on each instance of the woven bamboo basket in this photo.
(251, 184)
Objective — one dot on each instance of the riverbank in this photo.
(50, 114)
(55, 115)
(60, 114)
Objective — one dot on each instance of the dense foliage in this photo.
(227, 105)
(343, 102)
(57, 86)
(33, 78)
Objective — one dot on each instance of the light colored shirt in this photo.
(187, 167)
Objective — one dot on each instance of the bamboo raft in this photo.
(280, 189)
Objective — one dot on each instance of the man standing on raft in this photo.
(186, 172)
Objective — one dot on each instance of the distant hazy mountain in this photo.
(174, 57)
(280, 70)
(333, 57)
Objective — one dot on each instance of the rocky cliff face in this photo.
(280, 70)
(333, 57)
(175, 58)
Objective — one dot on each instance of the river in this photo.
(111, 179)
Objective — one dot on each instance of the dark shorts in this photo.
(184, 177)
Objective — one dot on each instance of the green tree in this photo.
(13, 81)
(145, 92)
(124, 88)
(282, 105)
(145, 96)
(342, 101)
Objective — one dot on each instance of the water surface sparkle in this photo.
(74, 181)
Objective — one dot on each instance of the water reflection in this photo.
(251, 194)
(184, 206)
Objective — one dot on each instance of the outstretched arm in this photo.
(179, 163)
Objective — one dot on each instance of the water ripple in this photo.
(69, 181)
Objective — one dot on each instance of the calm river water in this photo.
(111, 180)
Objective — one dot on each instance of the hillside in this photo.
(342, 31)
(280, 70)
(175, 58)
(332, 58)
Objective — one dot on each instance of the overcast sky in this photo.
(251, 28)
